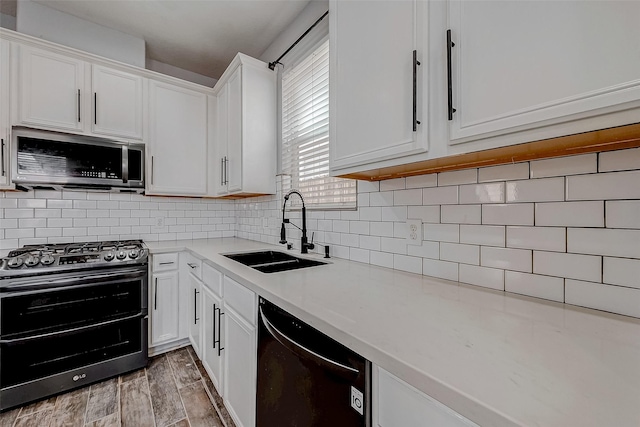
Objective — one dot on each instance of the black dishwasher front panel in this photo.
(305, 378)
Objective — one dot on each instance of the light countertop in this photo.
(499, 359)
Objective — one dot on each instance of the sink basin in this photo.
(273, 261)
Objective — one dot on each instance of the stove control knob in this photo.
(47, 259)
(109, 256)
(121, 255)
(31, 261)
(133, 254)
(15, 262)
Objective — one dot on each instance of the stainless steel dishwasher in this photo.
(305, 378)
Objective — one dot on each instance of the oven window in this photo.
(27, 360)
(66, 308)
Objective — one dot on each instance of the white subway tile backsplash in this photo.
(615, 299)
(77, 195)
(382, 259)
(488, 235)
(536, 190)
(408, 197)
(410, 264)
(341, 226)
(506, 258)
(604, 186)
(534, 285)
(422, 181)
(384, 229)
(621, 271)
(464, 254)
(48, 213)
(74, 213)
(358, 227)
(31, 203)
(392, 184)
(384, 198)
(440, 196)
(368, 186)
(48, 232)
(465, 176)
(19, 233)
(426, 250)
(371, 214)
(400, 229)
(393, 245)
(370, 242)
(508, 214)
(482, 193)
(504, 172)
(623, 214)
(18, 213)
(570, 214)
(563, 166)
(441, 269)
(31, 222)
(441, 232)
(599, 241)
(482, 276)
(461, 214)
(397, 213)
(359, 255)
(59, 204)
(425, 213)
(571, 266)
(619, 160)
(540, 238)
(84, 204)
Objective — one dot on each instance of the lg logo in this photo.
(79, 377)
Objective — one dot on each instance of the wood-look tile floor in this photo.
(174, 390)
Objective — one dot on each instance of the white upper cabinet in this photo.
(177, 163)
(64, 93)
(5, 124)
(530, 64)
(117, 103)
(373, 90)
(52, 91)
(245, 136)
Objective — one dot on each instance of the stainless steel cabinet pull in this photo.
(450, 44)
(415, 90)
(220, 347)
(166, 263)
(4, 172)
(155, 296)
(95, 108)
(78, 105)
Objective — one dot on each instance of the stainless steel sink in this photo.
(273, 261)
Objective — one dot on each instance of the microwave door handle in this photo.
(125, 164)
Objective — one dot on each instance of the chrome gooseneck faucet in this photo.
(304, 246)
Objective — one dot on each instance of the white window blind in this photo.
(305, 135)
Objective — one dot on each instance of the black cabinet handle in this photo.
(226, 171)
(155, 296)
(166, 263)
(214, 326)
(151, 170)
(415, 90)
(78, 105)
(220, 347)
(222, 171)
(4, 172)
(450, 44)
(95, 108)
(195, 306)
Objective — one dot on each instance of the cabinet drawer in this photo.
(192, 265)
(212, 278)
(164, 262)
(241, 299)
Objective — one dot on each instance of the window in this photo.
(305, 134)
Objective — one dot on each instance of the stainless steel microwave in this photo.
(43, 159)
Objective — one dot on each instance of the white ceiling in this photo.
(201, 36)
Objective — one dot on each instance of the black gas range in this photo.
(70, 315)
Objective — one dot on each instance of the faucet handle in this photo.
(311, 245)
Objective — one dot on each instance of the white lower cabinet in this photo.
(399, 404)
(164, 309)
(213, 325)
(195, 313)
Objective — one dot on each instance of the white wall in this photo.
(180, 73)
(49, 24)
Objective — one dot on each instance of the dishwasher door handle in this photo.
(301, 350)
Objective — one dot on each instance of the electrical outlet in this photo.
(414, 232)
(158, 224)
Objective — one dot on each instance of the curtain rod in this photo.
(272, 65)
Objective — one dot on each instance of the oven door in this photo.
(58, 323)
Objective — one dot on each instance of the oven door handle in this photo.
(72, 283)
(303, 351)
(73, 330)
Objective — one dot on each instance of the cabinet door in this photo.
(177, 140)
(164, 308)
(212, 351)
(240, 368)
(195, 313)
(222, 125)
(527, 64)
(399, 404)
(117, 103)
(50, 89)
(234, 129)
(372, 81)
(5, 125)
